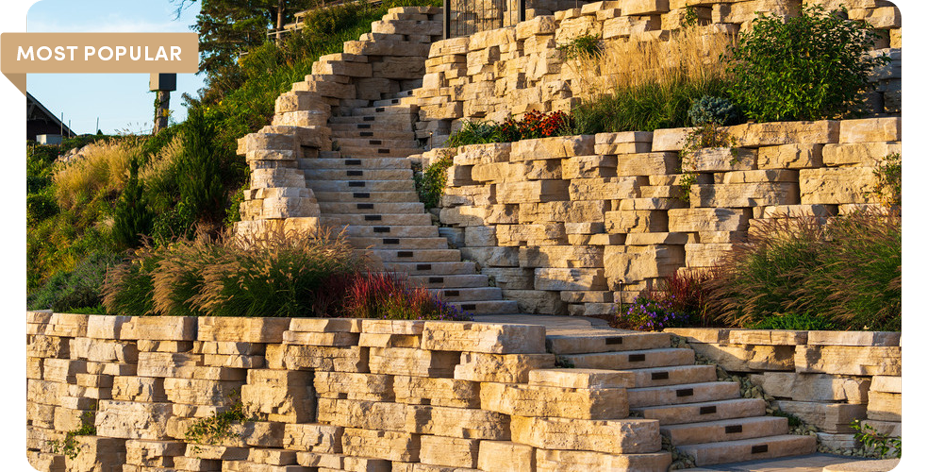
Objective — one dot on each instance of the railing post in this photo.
(446, 16)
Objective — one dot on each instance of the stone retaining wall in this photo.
(519, 68)
(570, 225)
(826, 378)
(337, 394)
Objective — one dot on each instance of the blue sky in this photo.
(122, 102)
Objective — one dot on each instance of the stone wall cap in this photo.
(854, 338)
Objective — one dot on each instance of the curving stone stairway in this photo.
(367, 185)
(703, 418)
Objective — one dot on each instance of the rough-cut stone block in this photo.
(130, 420)
(353, 386)
(871, 130)
(449, 452)
(512, 368)
(636, 221)
(325, 325)
(628, 436)
(414, 362)
(569, 279)
(790, 156)
(644, 164)
(748, 358)
(707, 219)
(313, 437)
(552, 148)
(849, 360)
(886, 384)
(199, 392)
(532, 191)
(482, 154)
(813, 387)
(403, 327)
(255, 330)
(483, 337)
(438, 392)
(537, 301)
(510, 279)
(581, 378)
(860, 154)
(460, 423)
(319, 358)
(561, 256)
(390, 445)
(551, 461)
(884, 406)
(769, 337)
(505, 456)
(539, 400)
(828, 417)
(780, 133)
(722, 159)
(854, 338)
(837, 185)
(286, 396)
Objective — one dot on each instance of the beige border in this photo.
(13, 281)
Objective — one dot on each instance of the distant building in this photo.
(41, 121)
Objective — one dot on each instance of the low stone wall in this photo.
(826, 378)
(570, 225)
(519, 68)
(337, 394)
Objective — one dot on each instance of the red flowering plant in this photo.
(533, 125)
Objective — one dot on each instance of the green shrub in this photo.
(810, 67)
(582, 46)
(431, 182)
(889, 180)
(714, 110)
(132, 218)
(203, 169)
(75, 290)
(532, 125)
(809, 320)
(475, 132)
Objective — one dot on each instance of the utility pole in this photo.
(163, 85)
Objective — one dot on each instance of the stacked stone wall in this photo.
(519, 68)
(571, 225)
(323, 394)
(826, 378)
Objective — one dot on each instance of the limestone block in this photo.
(272, 457)
(402, 327)
(543, 24)
(563, 211)
(625, 26)
(547, 401)
(516, 171)
(471, 195)
(491, 256)
(573, 296)
(256, 330)
(813, 387)
(139, 389)
(353, 386)
(313, 437)
(589, 167)
(828, 417)
(198, 392)
(707, 219)
(790, 156)
(625, 264)
(532, 191)
(366, 414)
(569, 279)
(604, 189)
(626, 436)
(860, 154)
(722, 159)
(854, 338)
(551, 461)
(505, 456)
(104, 351)
(537, 301)
(96, 453)
(849, 360)
(644, 164)
(209, 452)
(510, 278)
(839, 185)
(438, 392)
(636, 221)
(753, 194)
(889, 428)
(669, 139)
(561, 256)
(482, 154)
(460, 423)
(480, 215)
(886, 384)
(106, 326)
(390, 445)
(43, 346)
(449, 452)
(780, 133)
(130, 420)
(871, 130)
(552, 148)
(481, 236)
(512, 368)
(645, 7)
(650, 204)
(414, 362)
(321, 339)
(769, 337)
(748, 358)
(325, 325)
(286, 396)
(483, 337)
(152, 453)
(295, 357)
(884, 406)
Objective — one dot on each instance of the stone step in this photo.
(417, 83)
(683, 393)
(625, 360)
(408, 219)
(355, 133)
(386, 110)
(361, 197)
(408, 100)
(400, 243)
(468, 294)
(355, 123)
(446, 281)
(361, 185)
(750, 449)
(432, 268)
(403, 122)
(353, 163)
(725, 430)
(378, 142)
(378, 151)
(371, 208)
(591, 341)
(488, 307)
(358, 174)
(677, 375)
(708, 411)
(357, 231)
(418, 255)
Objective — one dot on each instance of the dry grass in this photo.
(102, 171)
(691, 54)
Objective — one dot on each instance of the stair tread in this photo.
(750, 449)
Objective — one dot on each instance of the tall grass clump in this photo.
(103, 170)
(644, 85)
(845, 272)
